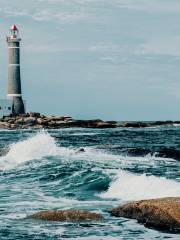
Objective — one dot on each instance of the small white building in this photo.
(5, 107)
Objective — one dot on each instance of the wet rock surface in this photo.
(162, 214)
(67, 216)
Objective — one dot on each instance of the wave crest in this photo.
(130, 186)
(36, 147)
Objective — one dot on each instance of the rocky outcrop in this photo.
(38, 121)
(135, 124)
(162, 214)
(67, 216)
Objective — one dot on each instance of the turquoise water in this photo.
(87, 169)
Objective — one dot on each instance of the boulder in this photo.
(5, 125)
(66, 118)
(42, 121)
(162, 123)
(34, 114)
(136, 124)
(52, 124)
(37, 126)
(55, 118)
(30, 121)
(105, 125)
(19, 121)
(14, 126)
(67, 216)
(162, 213)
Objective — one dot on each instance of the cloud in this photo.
(44, 10)
(47, 15)
(168, 45)
(146, 5)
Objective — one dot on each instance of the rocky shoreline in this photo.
(162, 214)
(39, 121)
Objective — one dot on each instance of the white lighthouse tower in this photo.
(14, 75)
(14, 103)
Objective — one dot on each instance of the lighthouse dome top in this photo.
(13, 27)
(13, 34)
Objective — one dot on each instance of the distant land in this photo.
(38, 121)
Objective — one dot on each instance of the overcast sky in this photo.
(110, 59)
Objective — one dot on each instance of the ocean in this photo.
(92, 169)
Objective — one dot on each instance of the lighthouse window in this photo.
(9, 108)
(0, 108)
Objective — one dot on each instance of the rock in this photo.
(25, 126)
(55, 118)
(14, 126)
(136, 124)
(37, 126)
(162, 123)
(67, 216)
(105, 125)
(5, 125)
(81, 150)
(66, 118)
(96, 123)
(19, 121)
(30, 121)
(169, 153)
(162, 214)
(52, 124)
(33, 114)
(7, 118)
(11, 121)
(42, 121)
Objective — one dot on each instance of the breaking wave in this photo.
(128, 186)
(36, 147)
(43, 144)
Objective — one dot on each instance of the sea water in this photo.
(87, 169)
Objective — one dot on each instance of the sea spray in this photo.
(36, 147)
(42, 144)
(128, 186)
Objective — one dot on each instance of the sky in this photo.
(114, 60)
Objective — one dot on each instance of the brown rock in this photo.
(67, 216)
(13, 126)
(135, 124)
(162, 214)
(4, 125)
(19, 121)
(37, 126)
(55, 118)
(42, 121)
(30, 121)
(33, 114)
(105, 125)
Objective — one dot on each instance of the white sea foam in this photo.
(128, 186)
(83, 134)
(36, 147)
(42, 145)
(176, 125)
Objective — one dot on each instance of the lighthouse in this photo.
(14, 74)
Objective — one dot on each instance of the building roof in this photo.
(13, 27)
